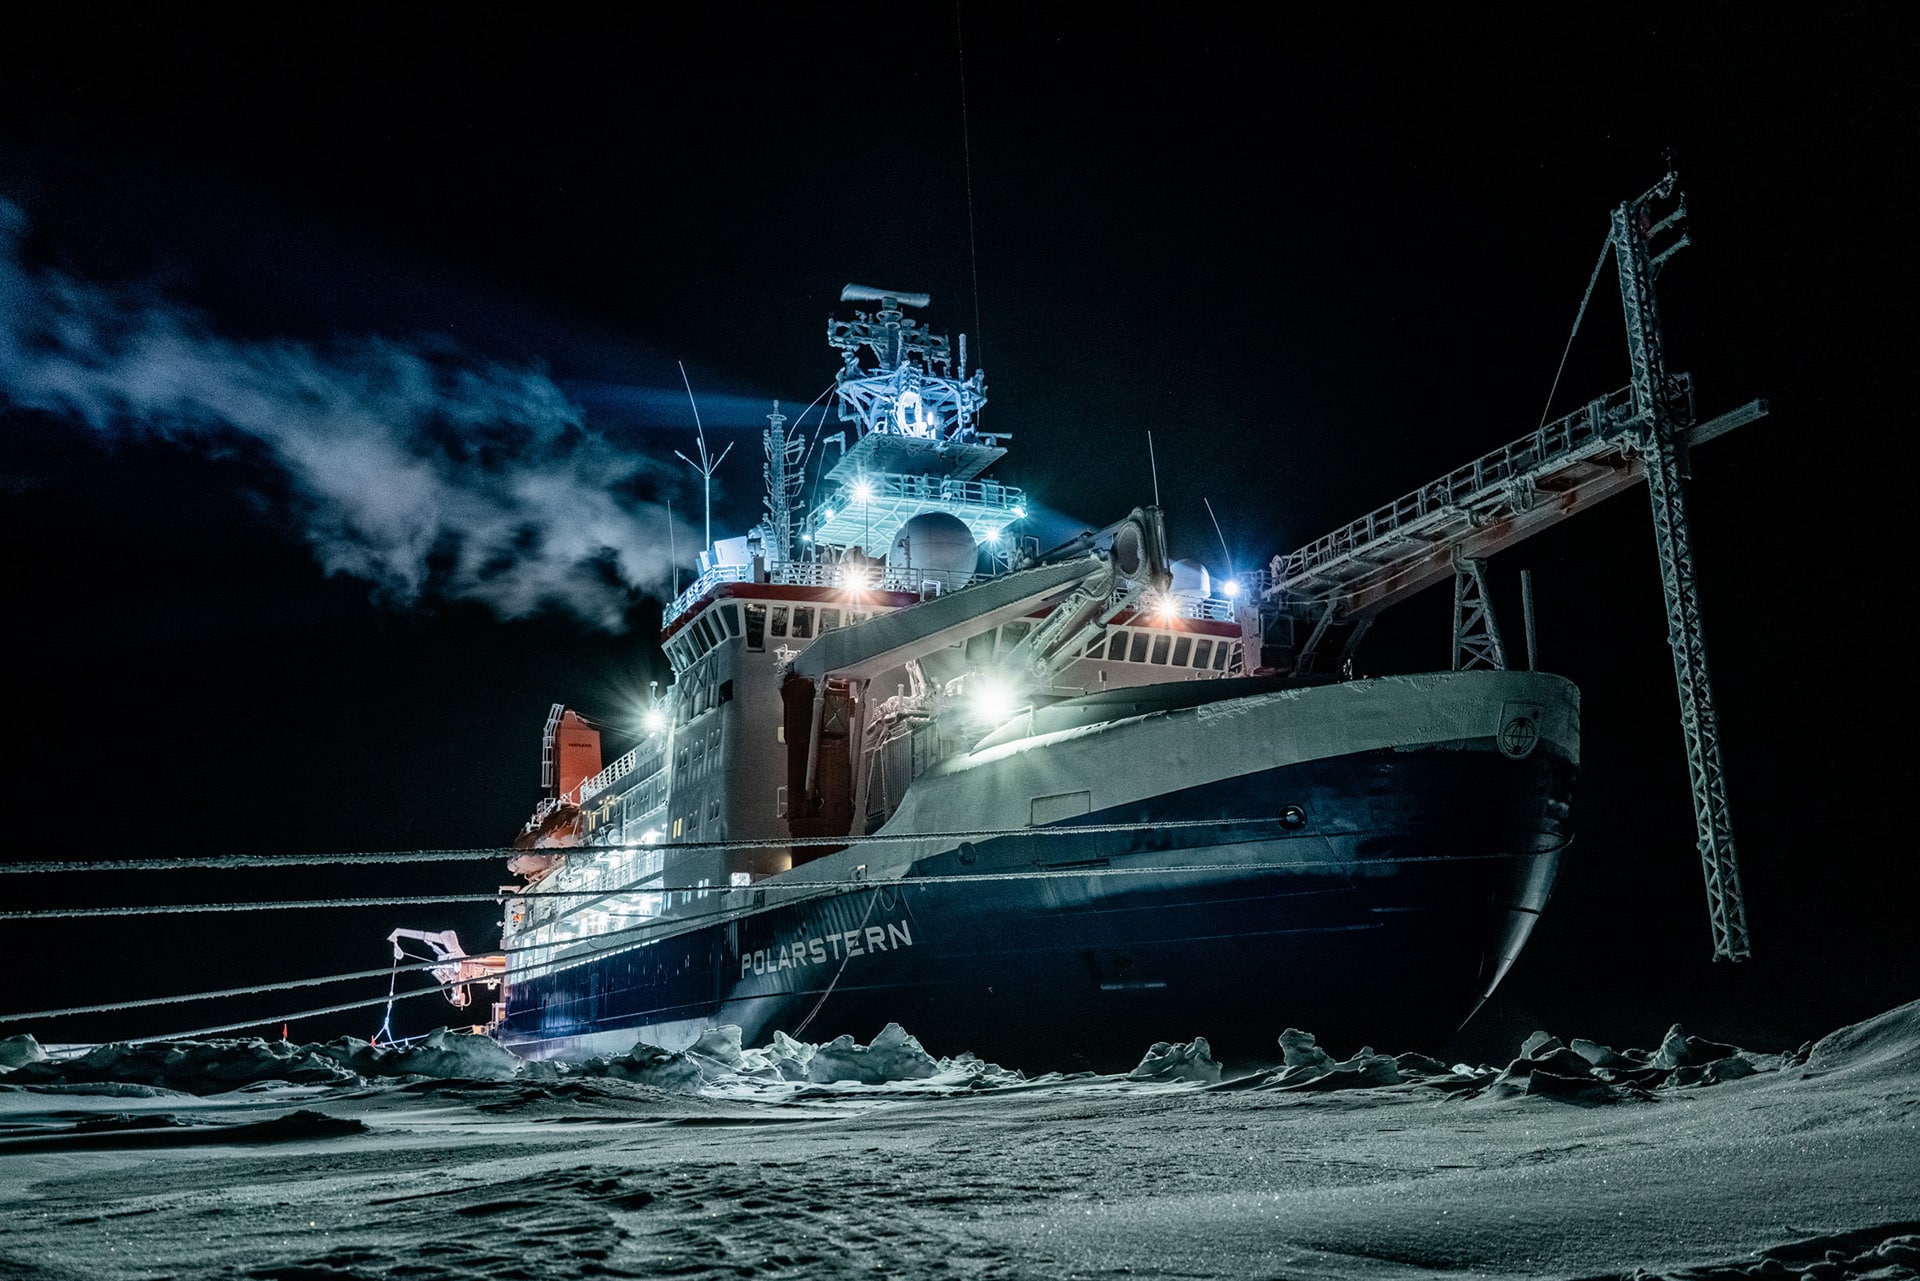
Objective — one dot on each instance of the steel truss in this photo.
(1662, 416)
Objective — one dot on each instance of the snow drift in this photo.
(1577, 1071)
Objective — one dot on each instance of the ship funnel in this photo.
(867, 293)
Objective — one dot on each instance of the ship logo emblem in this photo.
(1519, 732)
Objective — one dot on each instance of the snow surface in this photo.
(452, 1159)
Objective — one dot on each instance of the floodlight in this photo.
(992, 700)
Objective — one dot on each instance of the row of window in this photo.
(1166, 649)
(695, 750)
(981, 648)
(758, 623)
(687, 826)
(1117, 645)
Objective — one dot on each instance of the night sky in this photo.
(1321, 266)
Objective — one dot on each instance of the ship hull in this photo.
(1411, 880)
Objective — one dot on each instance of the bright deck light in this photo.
(862, 490)
(654, 720)
(1019, 512)
(992, 700)
(1167, 608)
(1230, 588)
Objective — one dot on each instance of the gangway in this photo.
(1334, 587)
(1343, 580)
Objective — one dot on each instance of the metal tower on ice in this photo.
(1334, 587)
(1663, 411)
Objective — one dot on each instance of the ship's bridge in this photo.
(869, 509)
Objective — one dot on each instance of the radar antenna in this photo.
(913, 388)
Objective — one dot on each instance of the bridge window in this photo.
(1220, 656)
(1182, 650)
(802, 623)
(779, 629)
(1161, 644)
(980, 648)
(756, 626)
(730, 614)
(1202, 653)
(1138, 654)
(829, 619)
(1013, 633)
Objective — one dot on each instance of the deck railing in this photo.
(1593, 423)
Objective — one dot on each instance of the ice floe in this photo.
(1178, 1061)
(18, 1051)
(1580, 1072)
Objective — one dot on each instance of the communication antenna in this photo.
(672, 554)
(1154, 466)
(966, 145)
(705, 467)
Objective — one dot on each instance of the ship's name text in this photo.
(827, 947)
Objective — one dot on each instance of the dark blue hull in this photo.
(1386, 917)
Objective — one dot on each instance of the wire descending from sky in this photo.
(412, 465)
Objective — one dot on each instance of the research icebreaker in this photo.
(1054, 806)
(1042, 806)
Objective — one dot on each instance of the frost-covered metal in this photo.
(1476, 633)
(1335, 586)
(1663, 410)
(784, 475)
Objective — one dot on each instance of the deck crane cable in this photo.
(648, 931)
(229, 862)
(393, 981)
(834, 982)
(597, 953)
(646, 887)
(800, 425)
(1579, 316)
(966, 145)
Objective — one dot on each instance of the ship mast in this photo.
(917, 442)
(784, 475)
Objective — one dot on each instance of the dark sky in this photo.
(1321, 266)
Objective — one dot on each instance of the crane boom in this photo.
(1336, 585)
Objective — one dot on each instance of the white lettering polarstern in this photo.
(822, 948)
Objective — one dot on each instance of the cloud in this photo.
(418, 468)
